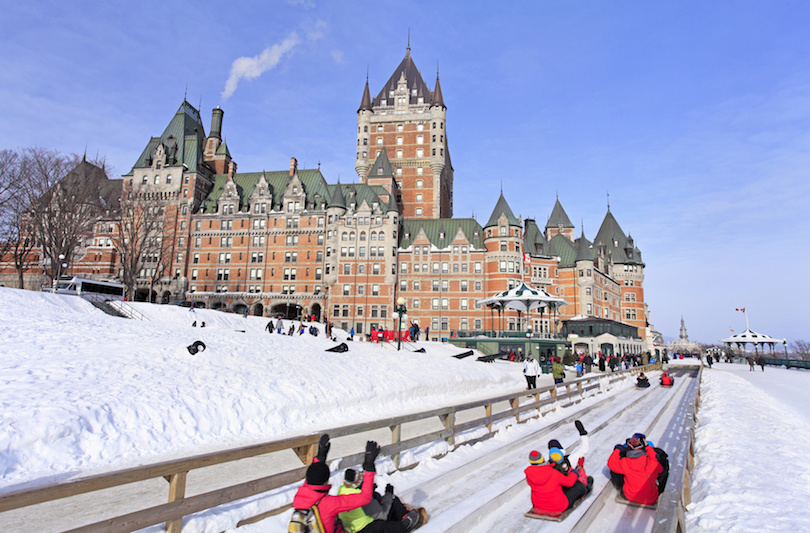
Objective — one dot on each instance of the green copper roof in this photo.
(564, 249)
(533, 239)
(449, 227)
(382, 165)
(312, 181)
(584, 249)
(502, 208)
(223, 149)
(184, 137)
(558, 217)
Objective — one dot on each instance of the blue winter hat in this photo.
(556, 455)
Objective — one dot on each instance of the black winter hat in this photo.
(554, 443)
(318, 474)
(350, 475)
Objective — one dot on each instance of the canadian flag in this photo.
(526, 258)
(740, 309)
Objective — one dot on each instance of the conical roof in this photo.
(502, 208)
(337, 199)
(558, 217)
(437, 94)
(382, 165)
(584, 249)
(413, 77)
(611, 235)
(365, 103)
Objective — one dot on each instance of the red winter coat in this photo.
(547, 483)
(640, 474)
(329, 506)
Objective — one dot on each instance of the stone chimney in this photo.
(293, 166)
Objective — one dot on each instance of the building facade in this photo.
(288, 243)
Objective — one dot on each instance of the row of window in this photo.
(443, 285)
(374, 236)
(285, 289)
(401, 127)
(361, 290)
(376, 311)
(289, 274)
(434, 267)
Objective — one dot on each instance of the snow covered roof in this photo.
(752, 337)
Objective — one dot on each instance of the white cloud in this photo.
(337, 55)
(253, 67)
(318, 30)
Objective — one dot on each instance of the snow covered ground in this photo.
(82, 392)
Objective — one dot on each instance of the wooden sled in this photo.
(621, 499)
(559, 518)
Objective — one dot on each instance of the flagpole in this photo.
(745, 311)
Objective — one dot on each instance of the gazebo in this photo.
(752, 337)
(523, 298)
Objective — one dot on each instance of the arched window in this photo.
(362, 235)
(157, 180)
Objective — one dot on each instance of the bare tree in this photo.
(800, 349)
(140, 241)
(65, 202)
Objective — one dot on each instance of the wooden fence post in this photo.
(177, 491)
(488, 414)
(449, 420)
(396, 438)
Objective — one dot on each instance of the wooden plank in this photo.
(26, 497)
(188, 506)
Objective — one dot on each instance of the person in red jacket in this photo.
(666, 380)
(316, 488)
(556, 487)
(639, 470)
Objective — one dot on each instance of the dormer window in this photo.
(380, 171)
(295, 190)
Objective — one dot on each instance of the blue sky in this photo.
(693, 116)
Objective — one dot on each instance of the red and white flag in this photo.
(740, 309)
(526, 258)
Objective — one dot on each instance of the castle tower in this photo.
(408, 121)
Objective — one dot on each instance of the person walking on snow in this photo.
(531, 369)
(556, 487)
(557, 370)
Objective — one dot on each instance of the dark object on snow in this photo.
(463, 355)
(420, 350)
(489, 358)
(196, 346)
(342, 347)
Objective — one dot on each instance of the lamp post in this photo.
(59, 270)
(401, 310)
(784, 343)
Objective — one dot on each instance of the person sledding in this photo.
(314, 493)
(666, 380)
(638, 470)
(383, 514)
(642, 382)
(556, 487)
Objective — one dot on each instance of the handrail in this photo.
(304, 446)
(671, 514)
(127, 310)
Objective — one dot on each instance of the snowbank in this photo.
(83, 392)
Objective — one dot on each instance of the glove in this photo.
(581, 462)
(580, 428)
(323, 448)
(389, 489)
(620, 447)
(372, 450)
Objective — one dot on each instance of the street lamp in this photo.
(401, 310)
(784, 342)
(59, 268)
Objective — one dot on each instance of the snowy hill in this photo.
(84, 392)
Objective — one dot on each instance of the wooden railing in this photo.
(305, 447)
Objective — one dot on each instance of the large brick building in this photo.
(288, 242)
